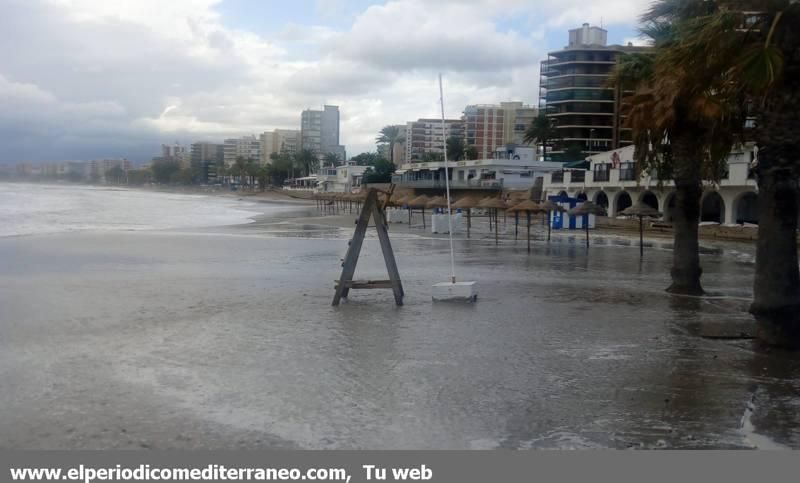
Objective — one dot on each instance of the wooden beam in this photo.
(367, 284)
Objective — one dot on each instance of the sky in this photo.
(86, 79)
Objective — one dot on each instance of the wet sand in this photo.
(225, 338)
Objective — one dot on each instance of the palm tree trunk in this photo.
(686, 269)
(776, 288)
(544, 149)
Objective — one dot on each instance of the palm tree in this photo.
(332, 159)
(681, 128)
(542, 130)
(253, 170)
(239, 169)
(390, 135)
(307, 161)
(455, 148)
(752, 48)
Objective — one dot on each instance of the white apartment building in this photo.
(426, 136)
(176, 152)
(278, 141)
(248, 147)
(611, 182)
(98, 168)
(341, 179)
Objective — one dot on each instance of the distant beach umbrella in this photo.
(528, 207)
(587, 208)
(418, 202)
(641, 210)
(399, 201)
(437, 202)
(494, 204)
(550, 207)
(467, 203)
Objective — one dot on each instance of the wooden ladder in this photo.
(371, 209)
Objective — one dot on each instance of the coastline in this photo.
(224, 337)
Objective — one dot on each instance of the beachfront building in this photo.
(425, 137)
(611, 181)
(206, 158)
(178, 153)
(488, 126)
(511, 167)
(99, 168)
(574, 93)
(341, 179)
(319, 132)
(247, 147)
(276, 142)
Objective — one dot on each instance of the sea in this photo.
(33, 209)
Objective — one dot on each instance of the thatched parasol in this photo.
(437, 202)
(587, 208)
(467, 203)
(549, 207)
(528, 206)
(640, 210)
(418, 202)
(400, 201)
(494, 204)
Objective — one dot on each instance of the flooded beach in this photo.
(195, 336)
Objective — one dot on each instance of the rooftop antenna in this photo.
(451, 290)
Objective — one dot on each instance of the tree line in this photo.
(721, 73)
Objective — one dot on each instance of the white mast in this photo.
(447, 187)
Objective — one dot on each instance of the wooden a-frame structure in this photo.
(372, 209)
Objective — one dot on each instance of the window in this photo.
(557, 177)
(627, 171)
(601, 171)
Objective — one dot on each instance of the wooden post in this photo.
(371, 209)
(496, 227)
(587, 230)
(529, 230)
(641, 238)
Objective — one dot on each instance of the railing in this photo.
(454, 184)
(577, 176)
(603, 175)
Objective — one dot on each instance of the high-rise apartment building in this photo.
(206, 158)
(319, 132)
(177, 153)
(247, 147)
(574, 92)
(489, 126)
(425, 137)
(278, 141)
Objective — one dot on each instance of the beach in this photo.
(183, 334)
